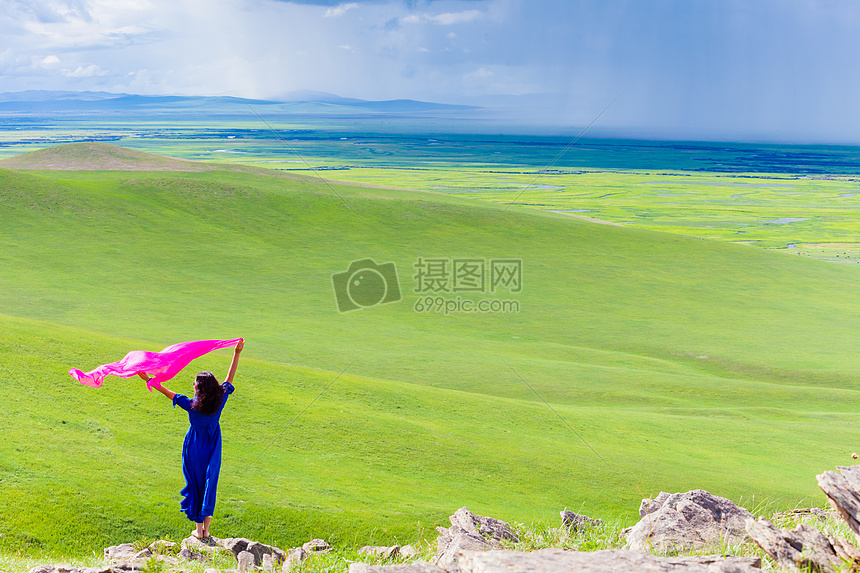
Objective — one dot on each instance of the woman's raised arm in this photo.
(160, 388)
(232, 372)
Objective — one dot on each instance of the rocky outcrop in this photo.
(450, 549)
(238, 545)
(294, 558)
(246, 561)
(317, 546)
(469, 532)
(125, 558)
(297, 555)
(487, 527)
(842, 488)
(162, 547)
(574, 521)
(803, 548)
(690, 521)
(117, 553)
(249, 555)
(193, 549)
(559, 561)
(680, 522)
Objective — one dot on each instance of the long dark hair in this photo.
(207, 394)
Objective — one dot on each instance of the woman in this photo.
(201, 452)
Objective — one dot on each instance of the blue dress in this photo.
(201, 458)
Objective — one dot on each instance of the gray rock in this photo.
(380, 551)
(120, 552)
(239, 544)
(803, 548)
(448, 555)
(246, 561)
(693, 520)
(208, 547)
(651, 505)
(484, 526)
(610, 560)
(188, 555)
(408, 551)
(267, 563)
(573, 521)
(317, 546)
(469, 532)
(418, 567)
(162, 547)
(842, 489)
(211, 570)
(294, 557)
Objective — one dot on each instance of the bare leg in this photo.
(199, 532)
(206, 522)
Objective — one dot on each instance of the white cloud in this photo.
(79, 24)
(346, 47)
(450, 18)
(339, 10)
(478, 79)
(85, 72)
(50, 60)
(444, 19)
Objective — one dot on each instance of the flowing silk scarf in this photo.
(161, 366)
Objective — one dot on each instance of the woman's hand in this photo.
(232, 372)
(158, 387)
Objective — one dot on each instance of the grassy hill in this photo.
(97, 156)
(675, 363)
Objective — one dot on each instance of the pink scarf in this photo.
(162, 366)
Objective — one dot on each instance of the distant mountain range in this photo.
(39, 101)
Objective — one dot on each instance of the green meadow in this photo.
(637, 360)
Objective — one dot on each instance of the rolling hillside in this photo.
(675, 363)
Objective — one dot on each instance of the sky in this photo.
(758, 70)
